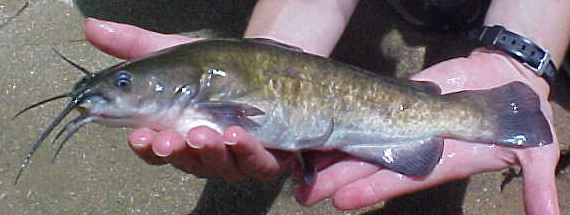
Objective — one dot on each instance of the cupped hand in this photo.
(234, 155)
(368, 184)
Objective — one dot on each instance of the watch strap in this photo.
(518, 47)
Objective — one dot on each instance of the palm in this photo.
(367, 183)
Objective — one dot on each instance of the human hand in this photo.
(234, 155)
(368, 183)
(247, 158)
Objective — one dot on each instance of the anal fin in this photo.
(409, 157)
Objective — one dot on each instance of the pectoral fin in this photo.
(231, 113)
(412, 157)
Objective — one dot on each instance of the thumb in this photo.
(539, 185)
(127, 41)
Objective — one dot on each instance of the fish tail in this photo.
(518, 118)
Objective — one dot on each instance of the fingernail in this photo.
(233, 136)
(230, 143)
(194, 145)
(162, 149)
(139, 142)
(93, 19)
(141, 138)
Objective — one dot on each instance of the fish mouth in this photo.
(96, 106)
(112, 121)
(106, 116)
(109, 117)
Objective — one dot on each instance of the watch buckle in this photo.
(541, 66)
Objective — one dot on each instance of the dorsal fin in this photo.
(274, 43)
(426, 87)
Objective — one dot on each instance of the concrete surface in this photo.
(96, 173)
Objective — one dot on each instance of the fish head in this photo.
(128, 93)
(123, 95)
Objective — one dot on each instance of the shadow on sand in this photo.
(224, 198)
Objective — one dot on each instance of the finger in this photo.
(353, 178)
(333, 178)
(170, 146)
(127, 41)
(213, 153)
(140, 142)
(459, 160)
(251, 158)
(166, 142)
(359, 189)
(539, 184)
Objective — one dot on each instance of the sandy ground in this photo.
(97, 173)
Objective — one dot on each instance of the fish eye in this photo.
(122, 79)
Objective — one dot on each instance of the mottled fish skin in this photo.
(302, 92)
(295, 101)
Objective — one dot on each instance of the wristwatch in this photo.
(518, 47)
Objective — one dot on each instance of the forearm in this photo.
(314, 26)
(545, 22)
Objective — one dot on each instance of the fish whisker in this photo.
(70, 106)
(82, 69)
(41, 103)
(75, 125)
(69, 124)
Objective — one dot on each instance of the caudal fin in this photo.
(516, 109)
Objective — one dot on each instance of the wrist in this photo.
(314, 26)
(542, 22)
(519, 48)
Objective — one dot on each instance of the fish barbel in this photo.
(295, 101)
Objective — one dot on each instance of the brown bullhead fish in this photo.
(295, 101)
